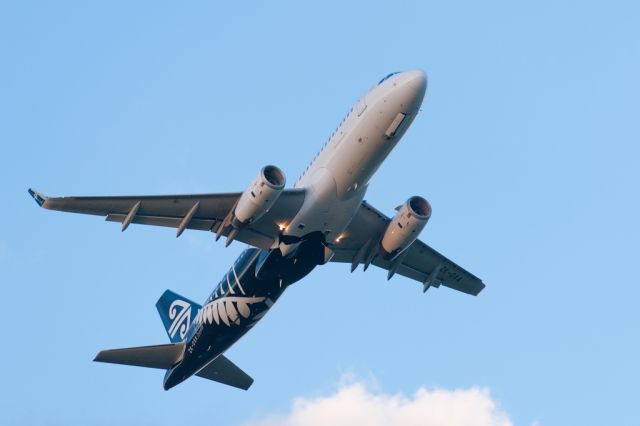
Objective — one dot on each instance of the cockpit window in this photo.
(393, 73)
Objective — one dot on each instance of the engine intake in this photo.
(406, 225)
(258, 198)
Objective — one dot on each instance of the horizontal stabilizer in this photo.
(156, 356)
(226, 372)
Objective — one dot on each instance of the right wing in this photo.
(418, 262)
(209, 211)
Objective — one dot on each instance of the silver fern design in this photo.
(227, 310)
(180, 313)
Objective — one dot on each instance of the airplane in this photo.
(322, 219)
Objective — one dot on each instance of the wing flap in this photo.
(166, 221)
(212, 206)
(222, 370)
(421, 260)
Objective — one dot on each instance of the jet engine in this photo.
(258, 198)
(405, 226)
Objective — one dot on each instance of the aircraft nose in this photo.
(414, 84)
(417, 79)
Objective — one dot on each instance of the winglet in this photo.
(40, 199)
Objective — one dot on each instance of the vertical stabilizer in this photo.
(176, 312)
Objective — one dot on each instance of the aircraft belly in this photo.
(323, 210)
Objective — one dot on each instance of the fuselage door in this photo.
(395, 124)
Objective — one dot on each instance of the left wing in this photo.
(204, 212)
(419, 261)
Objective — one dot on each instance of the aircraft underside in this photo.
(323, 218)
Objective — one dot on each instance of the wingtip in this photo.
(40, 199)
(248, 385)
(481, 286)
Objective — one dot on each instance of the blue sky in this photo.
(527, 149)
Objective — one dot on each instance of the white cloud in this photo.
(357, 403)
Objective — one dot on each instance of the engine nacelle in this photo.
(258, 198)
(405, 226)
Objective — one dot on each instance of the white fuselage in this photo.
(337, 178)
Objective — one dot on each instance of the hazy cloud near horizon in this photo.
(359, 403)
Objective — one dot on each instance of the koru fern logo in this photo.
(180, 313)
(227, 310)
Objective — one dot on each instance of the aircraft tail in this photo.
(176, 312)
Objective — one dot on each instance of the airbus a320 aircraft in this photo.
(323, 218)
